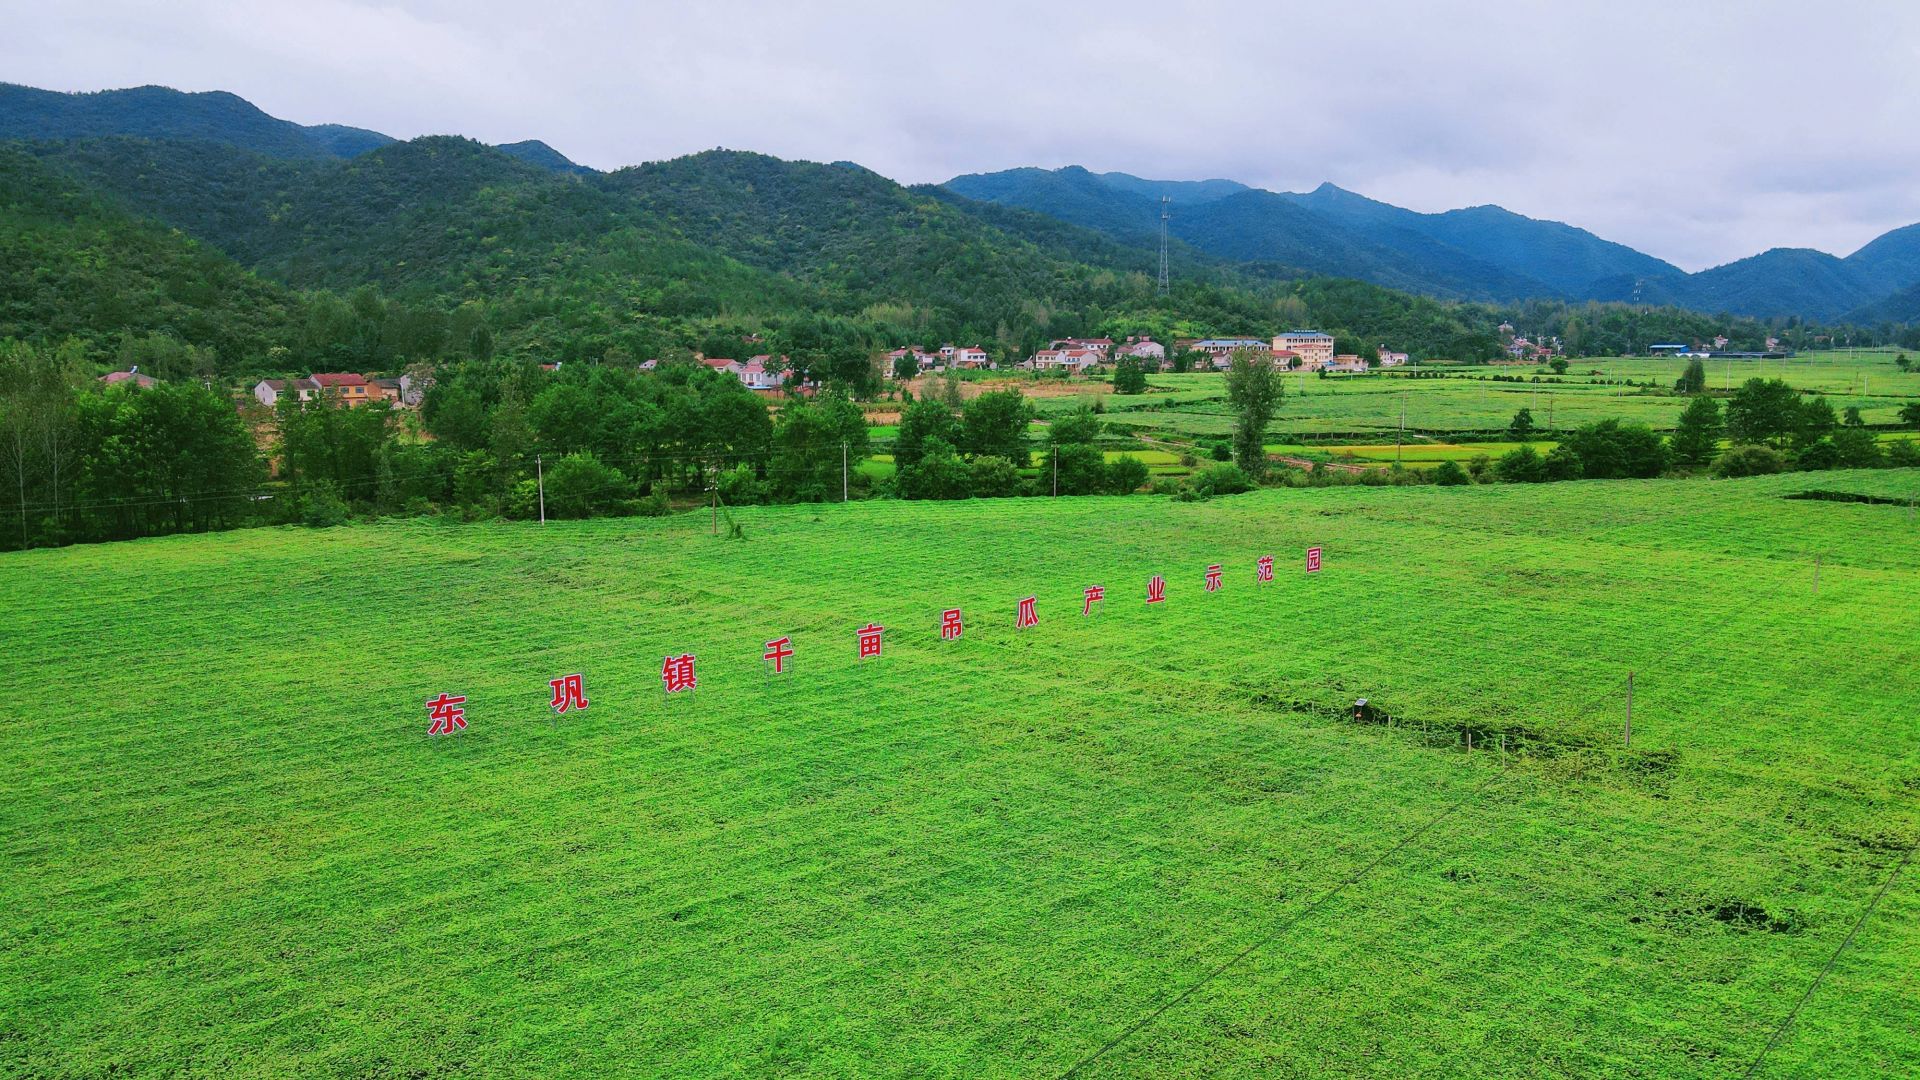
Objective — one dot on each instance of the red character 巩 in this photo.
(1156, 590)
(1095, 594)
(777, 652)
(677, 673)
(446, 714)
(1025, 617)
(950, 625)
(1213, 578)
(569, 692)
(870, 639)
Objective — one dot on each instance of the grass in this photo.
(230, 848)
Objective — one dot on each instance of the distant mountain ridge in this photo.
(159, 112)
(1474, 253)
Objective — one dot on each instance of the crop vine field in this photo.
(1148, 841)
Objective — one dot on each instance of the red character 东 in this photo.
(1213, 578)
(446, 714)
(1156, 590)
(1313, 560)
(1095, 594)
(569, 692)
(1263, 570)
(777, 652)
(950, 626)
(870, 639)
(677, 673)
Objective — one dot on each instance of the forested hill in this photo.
(698, 252)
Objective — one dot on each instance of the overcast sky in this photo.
(1700, 131)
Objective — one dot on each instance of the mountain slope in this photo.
(535, 152)
(157, 112)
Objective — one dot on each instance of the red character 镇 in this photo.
(677, 673)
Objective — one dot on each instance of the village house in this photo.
(1347, 362)
(131, 376)
(268, 391)
(1389, 358)
(349, 388)
(972, 356)
(1286, 359)
(715, 363)
(1073, 361)
(1314, 347)
(757, 376)
(1221, 350)
(1144, 348)
(1100, 345)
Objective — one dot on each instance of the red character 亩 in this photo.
(870, 639)
(950, 625)
(1213, 578)
(569, 692)
(1095, 594)
(777, 652)
(1313, 560)
(677, 673)
(446, 714)
(1156, 590)
(1025, 617)
(1263, 570)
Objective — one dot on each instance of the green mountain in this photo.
(156, 112)
(535, 152)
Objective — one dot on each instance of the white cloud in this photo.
(1700, 132)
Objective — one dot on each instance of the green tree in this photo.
(1609, 449)
(1693, 380)
(1079, 426)
(1522, 427)
(1764, 412)
(1253, 393)
(995, 424)
(920, 423)
(938, 472)
(1696, 438)
(992, 477)
(1126, 474)
(1752, 460)
(1558, 364)
(1450, 474)
(1856, 448)
(1080, 469)
(1128, 376)
(1520, 465)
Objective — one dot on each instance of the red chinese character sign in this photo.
(950, 625)
(1263, 570)
(1095, 594)
(1026, 617)
(446, 715)
(1213, 578)
(1313, 560)
(870, 639)
(1156, 590)
(569, 692)
(676, 672)
(778, 650)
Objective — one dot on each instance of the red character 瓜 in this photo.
(777, 651)
(1156, 590)
(1025, 617)
(446, 714)
(1095, 594)
(870, 639)
(1213, 578)
(677, 673)
(950, 625)
(569, 692)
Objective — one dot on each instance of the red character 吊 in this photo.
(1213, 578)
(446, 714)
(677, 673)
(870, 639)
(950, 625)
(777, 651)
(569, 692)
(1095, 594)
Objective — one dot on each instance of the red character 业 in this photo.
(1156, 590)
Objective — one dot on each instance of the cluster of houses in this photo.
(1308, 350)
(343, 387)
(1520, 347)
(761, 374)
(946, 356)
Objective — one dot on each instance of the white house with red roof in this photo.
(1072, 361)
(131, 377)
(1100, 345)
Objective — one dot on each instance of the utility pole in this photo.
(1629, 730)
(540, 474)
(843, 471)
(715, 489)
(1166, 201)
(1402, 437)
(1056, 472)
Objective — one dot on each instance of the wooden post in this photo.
(1629, 728)
(540, 473)
(1816, 575)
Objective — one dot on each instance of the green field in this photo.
(1469, 400)
(1147, 842)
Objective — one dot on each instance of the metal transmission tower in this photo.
(1165, 202)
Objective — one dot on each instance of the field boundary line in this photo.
(1298, 917)
(1781, 1032)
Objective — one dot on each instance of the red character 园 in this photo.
(677, 673)
(1095, 594)
(777, 652)
(1213, 578)
(1313, 560)
(1025, 617)
(870, 639)
(446, 714)
(569, 692)
(950, 625)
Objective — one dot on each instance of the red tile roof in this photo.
(340, 379)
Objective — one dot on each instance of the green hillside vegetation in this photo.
(985, 857)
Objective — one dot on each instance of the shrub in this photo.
(1125, 475)
(1749, 461)
(1521, 465)
(579, 486)
(1450, 474)
(1855, 448)
(992, 477)
(322, 507)
(1225, 478)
